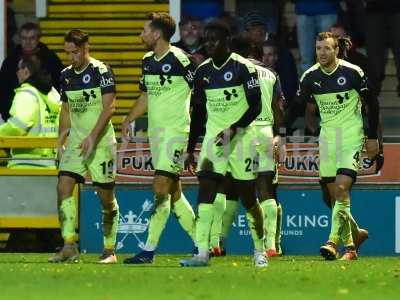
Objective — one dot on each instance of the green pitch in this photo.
(29, 276)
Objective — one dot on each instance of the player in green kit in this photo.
(166, 89)
(227, 94)
(267, 128)
(336, 87)
(88, 96)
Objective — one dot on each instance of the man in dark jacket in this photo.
(30, 45)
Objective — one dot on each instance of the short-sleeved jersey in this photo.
(168, 82)
(225, 90)
(83, 92)
(337, 94)
(270, 89)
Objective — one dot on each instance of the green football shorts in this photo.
(340, 148)
(239, 156)
(265, 149)
(167, 148)
(101, 164)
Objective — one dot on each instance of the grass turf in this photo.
(29, 276)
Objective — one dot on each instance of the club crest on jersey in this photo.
(86, 78)
(341, 80)
(166, 68)
(228, 76)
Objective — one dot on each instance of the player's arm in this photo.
(64, 124)
(197, 121)
(138, 110)
(304, 95)
(105, 115)
(311, 117)
(277, 99)
(277, 109)
(372, 114)
(253, 96)
(107, 87)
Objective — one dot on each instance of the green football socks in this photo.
(110, 226)
(185, 215)
(68, 219)
(216, 227)
(157, 222)
(270, 211)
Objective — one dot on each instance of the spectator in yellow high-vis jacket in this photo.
(34, 113)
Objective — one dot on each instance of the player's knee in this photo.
(264, 185)
(341, 192)
(160, 190)
(63, 191)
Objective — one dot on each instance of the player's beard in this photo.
(149, 45)
(328, 62)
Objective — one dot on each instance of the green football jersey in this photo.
(225, 90)
(168, 83)
(83, 92)
(337, 94)
(270, 89)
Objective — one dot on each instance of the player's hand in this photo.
(87, 146)
(190, 163)
(126, 130)
(60, 151)
(225, 136)
(279, 151)
(372, 148)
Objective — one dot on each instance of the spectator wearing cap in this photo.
(29, 35)
(313, 17)
(255, 27)
(271, 11)
(191, 33)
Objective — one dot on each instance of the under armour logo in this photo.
(229, 95)
(164, 79)
(87, 95)
(341, 98)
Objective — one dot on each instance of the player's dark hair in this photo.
(76, 36)
(344, 44)
(241, 45)
(163, 22)
(244, 46)
(326, 35)
(30, 26)
(220, 27)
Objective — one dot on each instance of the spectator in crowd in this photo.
(191, 32)
(255, 27)
(34, 113)
(270, 9)
(382, 30)
(313, 17)
(229, 20)
(282, 62)
(11, 27)
(29, 35)
(352, 55)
